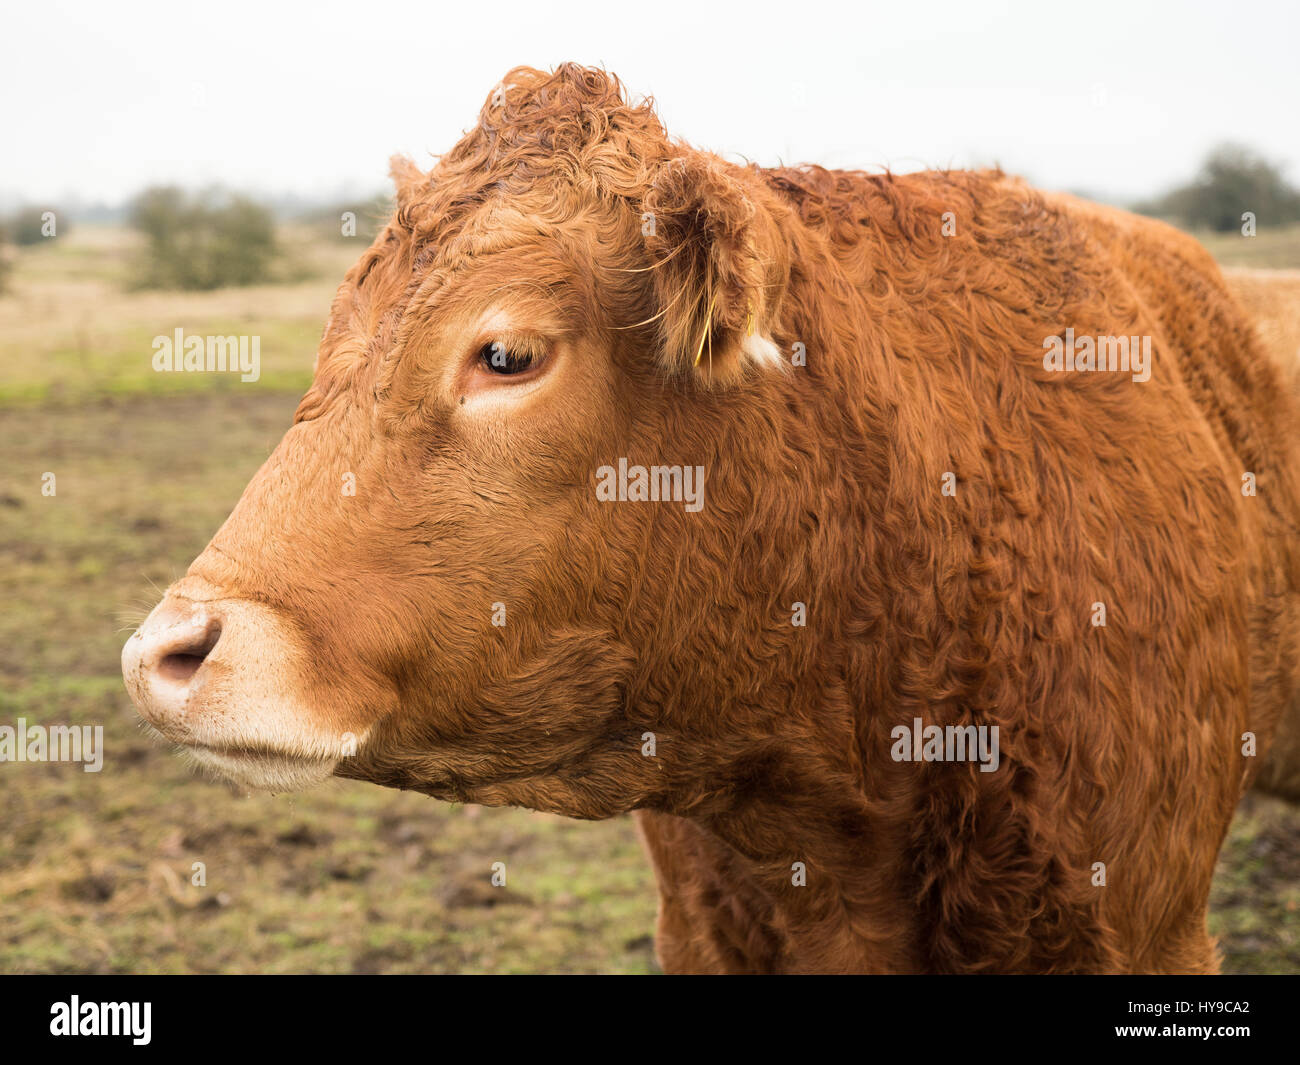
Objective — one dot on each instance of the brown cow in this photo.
(788, 508)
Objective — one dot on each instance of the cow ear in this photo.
(407, 178)
(719, 267)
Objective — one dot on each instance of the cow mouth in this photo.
(259, 768)
(253, 754)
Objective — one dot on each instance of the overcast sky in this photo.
(1119, 98)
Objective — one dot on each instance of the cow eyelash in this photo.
(511, 356)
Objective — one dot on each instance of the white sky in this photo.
(1119, 98)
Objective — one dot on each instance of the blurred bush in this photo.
(6, 264)
(204, 241)
(27, 226)
(1232, 180)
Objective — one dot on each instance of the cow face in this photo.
(480, 563)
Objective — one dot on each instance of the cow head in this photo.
(444, 577)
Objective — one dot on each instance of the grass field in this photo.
(1269, 249)
(95, 868)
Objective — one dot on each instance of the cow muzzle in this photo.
(225, 678)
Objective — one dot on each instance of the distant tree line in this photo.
(209, 239)
(1232, 181)
(213, 239)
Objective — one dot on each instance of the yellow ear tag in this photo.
(708, 321)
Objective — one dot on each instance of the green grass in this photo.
(1270, 249)
(1255, 904)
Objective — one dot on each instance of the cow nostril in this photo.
(182, 663)
(180, 667)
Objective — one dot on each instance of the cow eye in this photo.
(497, 358)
